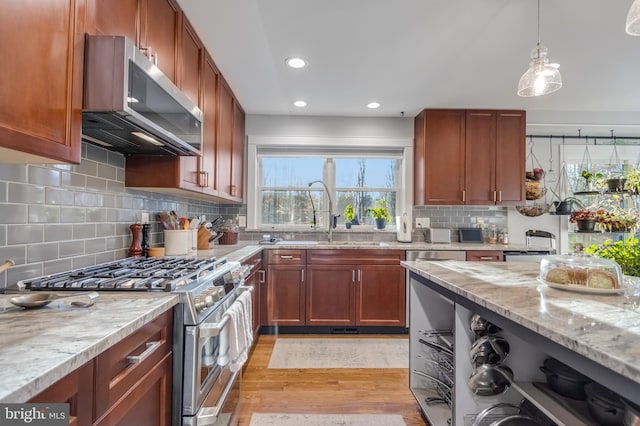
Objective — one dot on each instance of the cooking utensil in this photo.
(165, 220)
(564, 380)
(517, 418)
(631, 414)
(37, 300)
(482, 327)
(194, 223)
(175, 219)
(490, 379)
(215, 237)
(605, 406)
(489, 350)
(7, 264)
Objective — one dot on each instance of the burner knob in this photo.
(199, 304)
(209, 301)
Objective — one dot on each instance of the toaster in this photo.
(439, 235)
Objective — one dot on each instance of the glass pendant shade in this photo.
(542, 77)
(633, 19)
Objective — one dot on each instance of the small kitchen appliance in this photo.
(438, 235)
(404, 228)
(538, 245)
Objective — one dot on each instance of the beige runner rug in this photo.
(340, 353)
(278, 419)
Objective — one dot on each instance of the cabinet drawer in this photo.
(355, 256)
(122, 366)
(485, 255)
(286, 257)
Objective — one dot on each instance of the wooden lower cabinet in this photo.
(331, 295)
(343, 288)
(148, 402)
(130, 383)
(381, 297)
(254, 280)
(286, 295)
(76, 389)
(485, 255)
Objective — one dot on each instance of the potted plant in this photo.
(590, 179)
(633, 181)
(380, 213)
(584, 219)
(616, 183)
(625, 252)
(349, 214)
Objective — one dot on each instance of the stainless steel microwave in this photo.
(130, 106)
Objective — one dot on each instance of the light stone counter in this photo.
(602, 328)
(40, 346)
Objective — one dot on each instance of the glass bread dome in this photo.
(581, 270)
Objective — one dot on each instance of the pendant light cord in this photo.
(538, 22)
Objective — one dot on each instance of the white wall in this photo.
(344, 127)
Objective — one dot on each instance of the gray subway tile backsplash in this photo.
(54, 218)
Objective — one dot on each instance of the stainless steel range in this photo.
(205, 393)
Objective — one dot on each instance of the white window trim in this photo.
(404, 196)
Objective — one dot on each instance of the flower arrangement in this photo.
(581, 215)
(625, 252)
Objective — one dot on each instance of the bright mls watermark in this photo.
(34, 414)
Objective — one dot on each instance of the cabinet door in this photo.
(147, 402)
(210, 80)
(237, 154)
(480, 154)
(380, 296)
(225, 140)
(285, 295)
(41, 74)
(331, 295)
(76, 389)
(191, 54)
(114, 17)
(440, 143)
(510, 156)
(253, 281)
(159, 34)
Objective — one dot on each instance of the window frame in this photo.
(324, 147)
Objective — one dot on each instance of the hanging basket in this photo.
(534, 179)
(533, 210)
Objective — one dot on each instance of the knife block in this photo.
(204, 235)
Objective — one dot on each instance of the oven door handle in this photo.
(209, 415)
(212, 330)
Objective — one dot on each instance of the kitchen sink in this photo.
(358, 243)
(296, 243)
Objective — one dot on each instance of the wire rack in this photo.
(437, 371)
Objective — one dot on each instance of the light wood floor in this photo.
(324, 391)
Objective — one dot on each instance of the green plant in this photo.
(581, 215)
(633, 181)
(588, 176)
(349, 213)
(380, 210)
(626, 253)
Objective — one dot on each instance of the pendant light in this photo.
(542, 77)
(633, 19)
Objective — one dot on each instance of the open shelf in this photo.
(436, 414)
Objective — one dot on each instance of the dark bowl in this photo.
(565, 380)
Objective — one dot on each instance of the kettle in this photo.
(403, 224)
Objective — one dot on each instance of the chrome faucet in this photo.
(332, 217)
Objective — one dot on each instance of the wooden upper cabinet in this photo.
(114, 17)
(237, 155)
(211, 82)
(469, 157)
(159, 31)
(224, 151)
(41, 122)
(510, 156)
(190, 55)
(439, 157)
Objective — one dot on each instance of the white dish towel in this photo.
(236, 337)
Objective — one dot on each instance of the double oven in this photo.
(204, 392)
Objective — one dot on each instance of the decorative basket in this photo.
(533, 210)
(229, 237)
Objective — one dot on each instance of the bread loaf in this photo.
(589, 277)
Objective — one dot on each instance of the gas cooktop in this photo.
(131, 274)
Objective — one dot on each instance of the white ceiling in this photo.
(415, 54)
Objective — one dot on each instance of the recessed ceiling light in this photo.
(296, 62)
(373, 105)
(300, 104)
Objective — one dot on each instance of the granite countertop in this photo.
(40, 346)
(603, 328)
(248, 246)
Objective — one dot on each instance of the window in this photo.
(288, 183)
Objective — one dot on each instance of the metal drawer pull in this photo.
(486, 258)
(282, 256)
(262, 275)
(151, 348)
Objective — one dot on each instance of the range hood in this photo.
(129, 106)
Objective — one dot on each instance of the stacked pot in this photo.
(488, 352)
